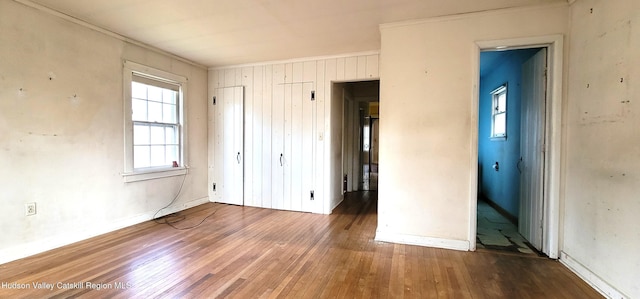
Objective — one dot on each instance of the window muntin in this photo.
(499, 112)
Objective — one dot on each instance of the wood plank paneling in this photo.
(319, 165)
(278, 148)
(351, 68)
(267, 127)
(256, 151)
(361, 67)
(249, 119)
(372, 67)
(296, 154)
(284, 254)
(288, 147)
(307, 151)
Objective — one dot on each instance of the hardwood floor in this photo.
(245, 252)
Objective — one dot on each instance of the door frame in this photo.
(553, 134)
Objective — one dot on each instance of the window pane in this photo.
(365, 138)
(157, 135)
(499, 127)
(169, 113)
(502, 102)
(155, 111)
(171, 136)
(140, 135)
(169, 96)
(155, 93)
(172, 154)
(139, 108)
(138, 90)
(140, 156)
(157, 155)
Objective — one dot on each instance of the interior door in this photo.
(532, 147)
(292, 147)
(230, 102)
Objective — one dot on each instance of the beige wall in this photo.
(601, 202)
(66, 153)
(426, 124)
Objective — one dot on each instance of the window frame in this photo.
(495, 94)
(131, 174)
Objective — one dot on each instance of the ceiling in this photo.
(228, 32)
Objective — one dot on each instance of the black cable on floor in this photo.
(172, 218)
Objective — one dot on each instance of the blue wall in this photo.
(503, 186)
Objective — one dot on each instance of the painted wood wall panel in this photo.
(372, 67)
(247, 77)
(257, 142)
(267, 127)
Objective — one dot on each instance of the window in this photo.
(365, 137)
(499, 112)
(154, 123)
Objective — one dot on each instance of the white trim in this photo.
(461, 245)
(300, 59)
(554, 44)
(589, 277)
(154, 174)
(104, 31)
(67, 238)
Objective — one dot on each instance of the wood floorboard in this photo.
(244, 252)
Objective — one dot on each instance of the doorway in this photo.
(539, 222)
(505, 127)
(361, 124)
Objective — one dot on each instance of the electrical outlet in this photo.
(30, 208)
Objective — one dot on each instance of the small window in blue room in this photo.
(499, 113)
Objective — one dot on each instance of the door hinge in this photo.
(311, 194)
(313, 95)
(213, 101)
(214, 187)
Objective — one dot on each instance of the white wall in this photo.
(602, 173)
(426, 124)
(259, 81)
(66, 153)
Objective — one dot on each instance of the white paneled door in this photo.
(230, 133)
(292, 147)
(532, 143)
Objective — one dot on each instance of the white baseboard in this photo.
(35, 247)
(462, 245)
(589, 277)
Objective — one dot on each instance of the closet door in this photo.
(292, 138)
(230, 104)
(308, 145)
(299, 148)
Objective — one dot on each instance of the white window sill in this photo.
(498, 138)
(153, 174)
